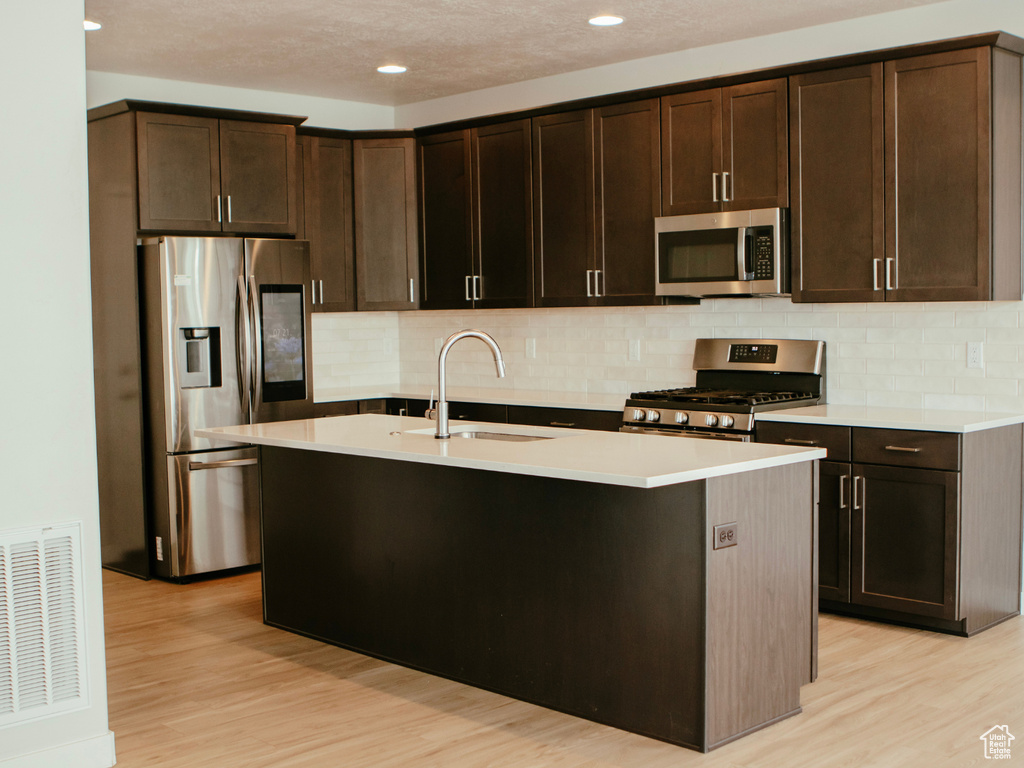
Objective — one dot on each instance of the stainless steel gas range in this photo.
(736, 379)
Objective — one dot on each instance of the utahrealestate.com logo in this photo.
(997, 742)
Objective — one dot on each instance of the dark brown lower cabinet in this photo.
(834, 531)
(917, 527)
(905, 526)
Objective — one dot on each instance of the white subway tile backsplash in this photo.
(896, 354)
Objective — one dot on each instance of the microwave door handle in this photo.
(744, 254)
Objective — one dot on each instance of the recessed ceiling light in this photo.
(606, 21)
(391, 69)
(91, 26)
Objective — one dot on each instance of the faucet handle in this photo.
(431, 412)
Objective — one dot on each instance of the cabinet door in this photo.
(563, 208)
(503, 214)
(179, 173)
(755, 146)
(937, 172)
(834, 531)
(691, 152)
(257, 170)
(837, 212)
(628, 197)
(905, 534)
(384, 175)
(446, 240)
(330, 224)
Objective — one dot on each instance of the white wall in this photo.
(931, 22)
(48, 449)
(106, 87)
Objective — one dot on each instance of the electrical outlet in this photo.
(725, 536)
(531, 347)
(975, 354)
(634, 349)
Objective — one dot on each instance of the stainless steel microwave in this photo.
(731, 253)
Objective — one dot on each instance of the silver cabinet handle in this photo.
(797, 441)
(725, 187)
(229, 209)
(321, 291)
(858, 503)
(412, 290)
(195, 466)
(312, 284)
(218, 210)
(589, 292)
(476, 287)
(562, 423)
(891, 274)
(714, 187)
(901, 449)
(842, 494)
(876, 265)
(468, 297)
(597, 288)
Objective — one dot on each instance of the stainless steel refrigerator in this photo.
(226, 339)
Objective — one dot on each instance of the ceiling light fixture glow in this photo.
(606, 21)
(91, 26)
(391, 69)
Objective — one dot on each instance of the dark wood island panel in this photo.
(602, 601)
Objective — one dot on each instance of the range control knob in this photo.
(682, 417)
(653, 416)
(638, 414)
(711, 420)
(727, 420)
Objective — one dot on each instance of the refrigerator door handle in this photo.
(257, 358)
(195, 466)
(243, 348)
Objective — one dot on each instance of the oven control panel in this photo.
(665, 419)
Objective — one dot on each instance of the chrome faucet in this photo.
(441, 409)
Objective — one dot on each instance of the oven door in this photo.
(739, 437)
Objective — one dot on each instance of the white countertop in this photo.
(539, 398)
(613, 458)
(893, 418)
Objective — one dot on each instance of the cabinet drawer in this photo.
(907, 448)
(836, 440)
(577, 418)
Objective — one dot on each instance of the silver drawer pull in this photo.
(796, 441)
(194, 466)
(842, 496)
(901, 449)
(563, 423)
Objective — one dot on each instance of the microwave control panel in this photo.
(764, 254)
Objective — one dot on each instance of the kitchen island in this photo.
(661, 585)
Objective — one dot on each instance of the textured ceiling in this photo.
(331, 48)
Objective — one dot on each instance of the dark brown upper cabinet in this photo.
(202, 174)
(837, 216)
(907, 180)
(725, 149)
(386, 240)
(326, 220)
(596, 182)
(476, 222)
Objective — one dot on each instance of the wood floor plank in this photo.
(196, 679)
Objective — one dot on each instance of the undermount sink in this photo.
(513, 438)
(478, 433)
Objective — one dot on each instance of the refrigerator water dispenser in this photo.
(199, 357)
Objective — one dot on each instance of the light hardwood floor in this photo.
(195, 679)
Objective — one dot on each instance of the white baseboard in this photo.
(97, 752)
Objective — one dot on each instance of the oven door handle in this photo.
(744, 254)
